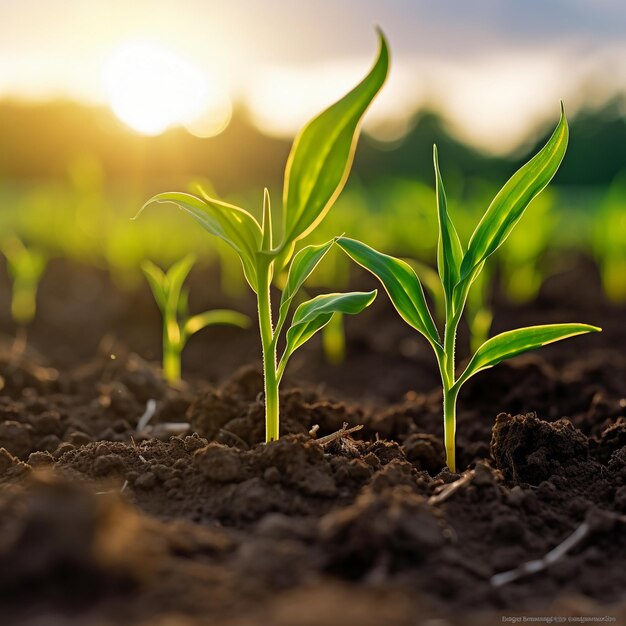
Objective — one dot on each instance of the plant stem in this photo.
(449, 426)
(450, 390)
(171, 362)
(270, 376)
(172, 346)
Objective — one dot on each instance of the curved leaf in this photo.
(400, 282)
(514, 342)
(301, 267)
(234, 225)
(322, 153)
(222, 317)
(508, 206)
(449, 249)
(314, 314)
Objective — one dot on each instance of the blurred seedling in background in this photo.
(609, 243)
(26, 266)
(458, 271)
(317, 168)
(522, 260)
(173, 302)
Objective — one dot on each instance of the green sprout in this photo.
(26, 266)
(458, 269)
(173, 301)
(317, 168)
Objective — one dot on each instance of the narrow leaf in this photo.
(400, 282)
(314, 314)
(508, 206)
(302, 266)
(449, 249)
(514, 342)
(176, 276)
(221, 317)
(266, 226)
(156, 280)
(322, 154)
(234, 225)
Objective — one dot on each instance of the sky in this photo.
(496, 69)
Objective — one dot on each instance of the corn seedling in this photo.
(173, 302)
(26, 266)
(458, 269)
(316, 171)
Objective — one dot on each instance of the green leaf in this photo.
(157, 281)
(222, 317)
(266, 226)
(301, 267)
(234, 225)
(314, 314)
(449, 249)
(322, 154)
(508, 206)
(514, 342)
(175, 277)
(400, 282)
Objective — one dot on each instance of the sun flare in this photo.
(151, 88)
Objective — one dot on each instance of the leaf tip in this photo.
(563, 118)
(383, 50)
(435, 157)
(145, 204)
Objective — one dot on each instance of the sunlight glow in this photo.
(151, 88)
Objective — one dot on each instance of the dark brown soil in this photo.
(102, 525)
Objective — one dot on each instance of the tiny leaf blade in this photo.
(513, 342)
(511, 201)
(156, 280)
(301, 267)
(400, 282)
(216, 317)
(322, 154)
(176, 276)
(312, 315)
(449, 249)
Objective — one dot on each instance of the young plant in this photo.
(173, 301)
(26, 266)
(459, 268)
(316, 171)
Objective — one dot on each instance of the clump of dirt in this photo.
(56, 536)
(531, 450)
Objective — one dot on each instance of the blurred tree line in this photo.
(39, 141)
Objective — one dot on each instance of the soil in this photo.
(192, 520)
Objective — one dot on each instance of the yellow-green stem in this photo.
(171, 363)
(450, 391)
(270, 376)
(172, 347)
(449, 426)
